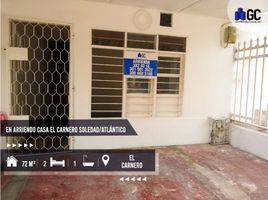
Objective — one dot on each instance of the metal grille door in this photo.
(40, 86)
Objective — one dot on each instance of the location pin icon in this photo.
(105, 159)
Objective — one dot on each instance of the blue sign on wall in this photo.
(140, 64)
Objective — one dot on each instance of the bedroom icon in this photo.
(54, 163)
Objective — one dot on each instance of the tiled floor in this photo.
(191, 172)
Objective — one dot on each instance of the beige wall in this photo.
(250, 140)
(208, 70)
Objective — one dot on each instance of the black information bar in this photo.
(82, 160)
(90, 127)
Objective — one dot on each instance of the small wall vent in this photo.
(166, 19)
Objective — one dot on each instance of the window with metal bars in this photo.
(169, 86)
(141, 94)
(138, 85)
(141, 41)
(250, 93)
(168, 75)
(171, 43)
(107, 81)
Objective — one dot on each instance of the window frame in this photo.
(159, 53)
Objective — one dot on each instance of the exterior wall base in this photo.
(250, 140)
(152, 132)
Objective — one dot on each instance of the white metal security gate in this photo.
(250, 98)
(40, 85)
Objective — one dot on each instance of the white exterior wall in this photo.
(250, 140)
(252, 31)
(208, 69)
